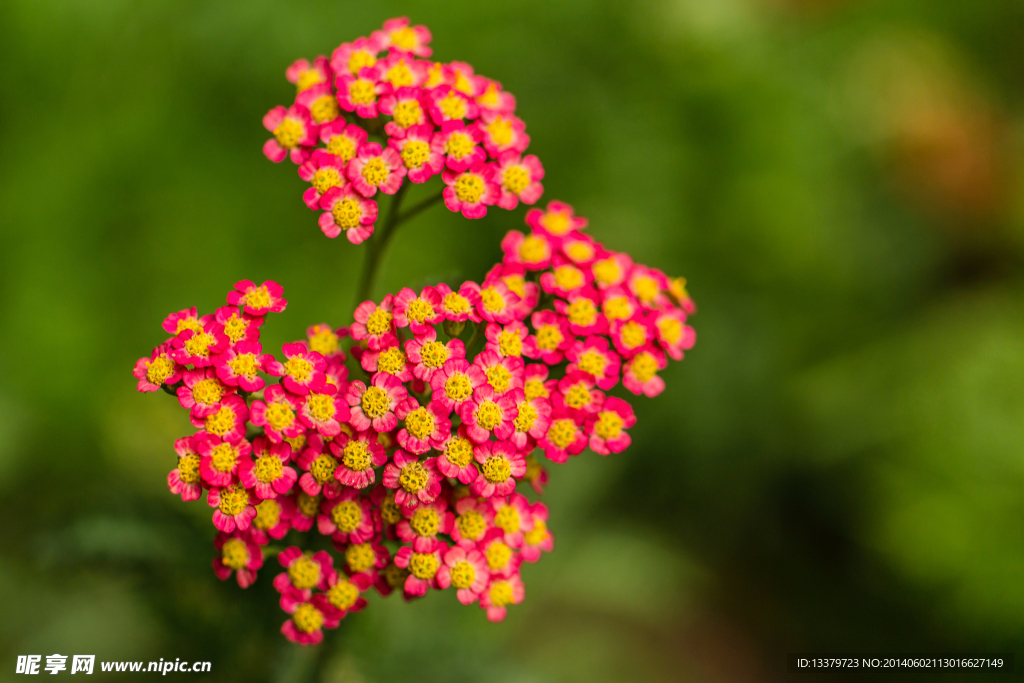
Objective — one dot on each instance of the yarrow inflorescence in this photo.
(395, 453)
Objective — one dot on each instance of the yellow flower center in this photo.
(568, 277)
(360, 58)
(424, 565)
(347, 213)
(420, 423)
(199, 345)
(307, 79)
(509, 344)
(379, 322)
(434, 76)
(235, 328)
(400, 75)
(233, 500)
(304, 572)
(499, 378)
(527, 416)
(307, 504)
(296, 442)
(515, 179)
(414, 477)
(593, 363)
(488, 415)
(360, 558)
(471, 524)
(376, 171)
(208, 391)
(671, 329)
(434, 354)
(356, 455)
(500, 593)
(463, 574)
(516, 283)
(323, 340)
(362, 91)
(375, 402)
(579, 251)
(501, 131)
(617, 308)
(533, 249)
(453, 106)
(415, 153)
(425, 522)
(646, 288)
(469, 188)
(307, 618)
(507, 519)
(325, 109)
(234, 553)
(343, 594)
(644, 366)
(607, 271)
(258, 297)
(458, 387)
(497, 469)
(298, 368)
(537, 534)
(268, 469)
(268, 514)
(490, 96)
(455, 303)
(562, 432)
(244, 365)
(223, 457)
(462, 83)
(582, 312)
(288, 133)
(280, 416)
(391, 361)
(326, 178)
(492, 299)
(535, 388)
(549, 337)
(390, 512)
(633, 334)
(609, 425)
(347, 516)
(678, 289)
(578, 396)
(459, 451)
(320, 406)
(555, 223)
(459, 145)
(159, 369)
(498, 554)
(404, 38)
(341, 147)
(323, 468)
(187, 324)
(419, 310)
(188, 469)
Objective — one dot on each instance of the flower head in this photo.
(347, 210)
(236, 554)
(470, 191)
(294, 133)
(158, 370)
(375, 405)
(267, 473)
(499, 463)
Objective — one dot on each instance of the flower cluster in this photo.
(425, 118)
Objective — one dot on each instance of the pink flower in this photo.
(647, 285)
(375, 324)
(325, 341)
(564, 438)
(238, 366)
(459, 145)
(238, 325)
(412, 39)
(456, 459)
(417, 482)
(537, 538)
(351, 58)
(577, 396)
(674, 335)
(564, 278)
(551, 339)
(273, 519)
(304, 571)
(158, 370)
(607, 427)
(258, 300)
(422, 525)
(492, 99)
(470, 191)
(238, 555)
(342, 139)
(321, 103)
(348, 518)
(557, 220)
(306, 509)
(500, 464)
(404, 107)
(472, 521)
(346, 210)
(220, 459)
(185, 479)
(532, 421)
(503, 132)
(583, 312)
(593, 357)
(361, 93)
(305, 75)
(364, 558)
(202, 392)
(611, 270)
(519, 179)
(418, 313)
(581, 249)
(514, 277)
(489, 413)
(428, 355)
(424, 427)
(497, 303)
(185, 319)
(630, 336)
(374, 168)
(374, 405)
(390, 361)
(459, 306)
(308, 619)
(618, 304)
(421, 162)
(467, 571)
(303, 371)
(343, 594)
(294, 133)
(234, 507)
(319, 470)
(455, 383)
(502, 560)
(500, 593)
(533, 251)
(640, 375)
(323, 171)
(199, 347)
(229, 422)
(512, 515)
(422, 566)
(324, 409)
(357, 455)
(444, 103)
(506, 340)
(277, 414)
(401, 70)
(536, 382)
(268, 474)
(503, 373)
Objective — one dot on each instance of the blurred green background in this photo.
(836, 466)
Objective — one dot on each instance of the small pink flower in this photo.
(375, 405)
(459, 306)
(471, 191)
(489, 414)
(564, 277)
(260, 300)
(401, 70)
(321, 102)
(564, 437)
(497, 303)
(304, 571)
(674, 335)
(502, 560)
(647, 285)
(445, 103)
(581, 249)
(500, 464)
(611, 270)
(593, 357)
(238, 366)
(472, 521)
(518, 178)
(277, 413)
(422, 525)
(424, 427)
(351, 58)
(640, 374)
(294, 133)
(506, 340)
(459, 145)
(455, 383)
(220, 459)
(421, 161)
(185, 480)
(577, 396)
(390, 361)
(319, 468)
(324, 410)
(309, 616)
(348, 518)
(532, 421)
(362, 93)
(513, 516)
(238, 325)
(185, 319)
(342, 139)
(536, 382)
(411, 39)
(323, 171)
(202, 392)
(305, 510)
(503, 132)
(583, 312)
(551, 338)
(630, 336)
(267, 474)
(557, 220)
(273, 519)
(492, 99)
(305, 75)
(374, 168)
(229, 422)
(618, 304)
(405, 108)
(500, 593)
(364, 558)
(302, 372)
(606, 428)
(199, 347)
(238, 555)
(533, 251)
(456, 459)
(422, 566)
(428, 355)
(467, 571)
(348, 211)
(503, 373)
(158, 370)
(416, 482)
(343, 594)
(375, 324)
(537, 538)
(234, 505)
(324, 339)
(418, 313)
(514, 277)
(357, 456)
